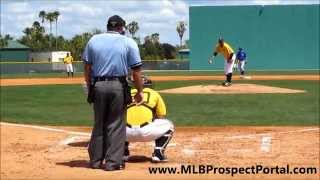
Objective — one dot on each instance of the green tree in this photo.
(155, 38)
(56, 14)
(78, 43)
(133, 27)
(34, 37)
(181, 28)
(42, 15)
(51, 18)
(152, 49)
(169, 51)
(4, 40)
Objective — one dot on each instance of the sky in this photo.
(78, 16)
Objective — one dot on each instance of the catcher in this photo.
(147, 122)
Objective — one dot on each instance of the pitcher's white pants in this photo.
(150, 132)
(228, 67)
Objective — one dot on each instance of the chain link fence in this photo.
(44, 67)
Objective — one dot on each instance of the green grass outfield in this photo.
(166, 73)
(65, 105)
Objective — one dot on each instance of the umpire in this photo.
(107, 58)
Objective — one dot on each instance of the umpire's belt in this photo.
(109, 78)
(138, 126)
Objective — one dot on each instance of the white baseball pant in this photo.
(150, 132)
(228, 67)
(241, 65)
(69, 67)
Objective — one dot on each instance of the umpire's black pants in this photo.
(109, 131)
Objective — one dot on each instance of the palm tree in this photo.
(50, 17)
(133, 27)
(8, 37)
(56, 14)
(36, 24)
(147, 40)
(27, 31)
(181, 28)
(42, 15)
(155, 38)
(4, 40)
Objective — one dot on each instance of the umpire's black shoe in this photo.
(158, 156)
(114, 167)
(126, 154)
(96, 165)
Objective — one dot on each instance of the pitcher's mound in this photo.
(234, 89)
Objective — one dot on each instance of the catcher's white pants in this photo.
(150, 132)
(69, 67)
(228, 67)
(241, 65)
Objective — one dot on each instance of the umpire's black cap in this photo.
(116, 21)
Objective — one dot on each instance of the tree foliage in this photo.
(152, 49)
(181, 28)
(38, 39)
(133, 27)
(4, 40)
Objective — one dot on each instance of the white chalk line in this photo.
(265, 147)
(250, 136)
(194, 139)
(187, 151)
(46, 129)
(73, 139)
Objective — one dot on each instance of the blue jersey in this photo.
(111, 54)
(241, 55)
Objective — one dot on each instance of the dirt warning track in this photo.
(79, 80)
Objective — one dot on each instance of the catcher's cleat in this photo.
(158, 156)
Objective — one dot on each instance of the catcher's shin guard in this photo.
(161, 144)
(163, 141)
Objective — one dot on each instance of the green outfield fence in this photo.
(274, 36)
(46, 67)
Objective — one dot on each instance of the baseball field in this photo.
(270, 120)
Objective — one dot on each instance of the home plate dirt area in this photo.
(37, 152)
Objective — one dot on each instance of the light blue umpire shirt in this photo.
(111, 54)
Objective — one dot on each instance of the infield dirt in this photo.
(28, 153)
